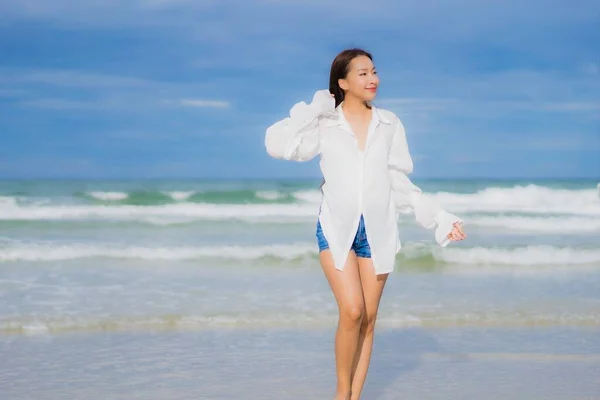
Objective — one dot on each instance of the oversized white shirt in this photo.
(372, 183)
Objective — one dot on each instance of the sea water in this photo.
(182, 254)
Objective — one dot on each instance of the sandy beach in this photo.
(412, 363)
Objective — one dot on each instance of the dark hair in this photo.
(339, 70)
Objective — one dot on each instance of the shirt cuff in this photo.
(445, 222)
(303, 114)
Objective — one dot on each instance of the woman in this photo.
(365, 161)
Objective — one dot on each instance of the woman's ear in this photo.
(343, 84)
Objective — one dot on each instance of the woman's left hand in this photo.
(457, 233)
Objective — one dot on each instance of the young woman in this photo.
(365, 161)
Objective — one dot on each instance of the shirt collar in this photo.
(338, 117)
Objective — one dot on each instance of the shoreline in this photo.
(263, 364)
(182, 327)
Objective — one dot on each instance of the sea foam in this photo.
(429, 254)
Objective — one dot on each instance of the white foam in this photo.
(108, 196)
(180, 196)
(7, 202)
(58, 252)
(50, 323)
(520, 256)
(564, 225)
(545, 209)
(269, 195)
(531, 199)
(171, 212)
(308, 196)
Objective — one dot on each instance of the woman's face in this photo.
(362, 80)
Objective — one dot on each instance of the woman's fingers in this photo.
(461, 233)
(457, 233)
(459, 230)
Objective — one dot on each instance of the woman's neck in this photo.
(354, 106)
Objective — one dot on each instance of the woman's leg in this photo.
(346, 288)
(372, 286)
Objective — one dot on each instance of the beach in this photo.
(408, 363)
(212, 290)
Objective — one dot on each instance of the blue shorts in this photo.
(360, 245)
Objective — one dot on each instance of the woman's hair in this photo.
(339, 70)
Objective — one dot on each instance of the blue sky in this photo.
(186, 88)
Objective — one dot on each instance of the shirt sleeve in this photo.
(296, 138)
(408, 197)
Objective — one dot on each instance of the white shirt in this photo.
(372, 182)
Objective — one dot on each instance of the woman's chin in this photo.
(370, 96)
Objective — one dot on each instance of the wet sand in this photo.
(412, 363)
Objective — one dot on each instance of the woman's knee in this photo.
(353, 313)
(368, 322)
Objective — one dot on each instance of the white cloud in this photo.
(83, 90)
(59, 104)
(471, 159)
(568, 141)
(458, 18)
(125, 103)
(42, 165)
(591, 69)
(414, 104)
(12, 93)
(203, 103)
(572, 106)
(70, 78)
(162, 4)
(490, 94)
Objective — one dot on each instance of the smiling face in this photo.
(361, 80)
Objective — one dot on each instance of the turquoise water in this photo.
(97, 255)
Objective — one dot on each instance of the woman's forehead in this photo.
(361, 62)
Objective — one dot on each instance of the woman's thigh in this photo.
(372, 285)
(345, 284)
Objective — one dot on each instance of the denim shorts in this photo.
(360, 245)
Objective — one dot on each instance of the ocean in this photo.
(183, 289)
(181, 254)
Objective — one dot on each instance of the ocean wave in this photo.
(58, 252)
(186, 213)
(108, 196)
(173, 213)
(519, 256)
(150, 198)
(8, 201)
(522, 199)
(140, 197)
(180, 196)
(49, 323)
(531, 199)
(412, 254)
(521, 209)
(539, 224)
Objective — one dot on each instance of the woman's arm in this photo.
(297, 137)
(408, 197)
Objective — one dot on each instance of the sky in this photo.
(187, 88)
